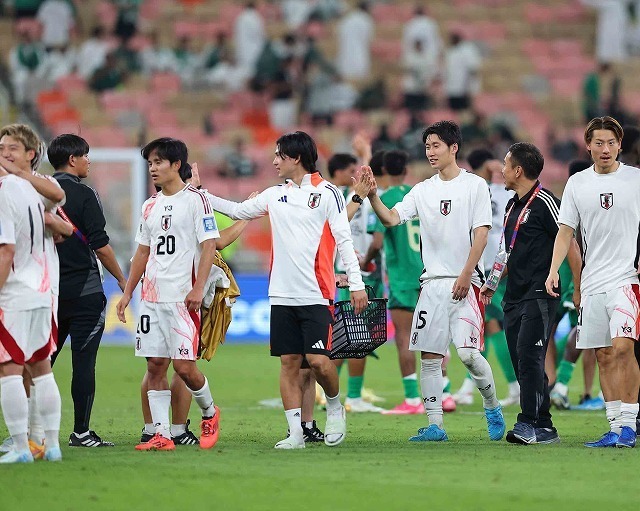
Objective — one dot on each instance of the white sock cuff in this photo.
(431, 365)
(412, 376)
(200, 390)
(629, 408)
(8, 379)
(43, 378)
(158, 393)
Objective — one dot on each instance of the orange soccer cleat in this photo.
(209, 430)
(157, 443)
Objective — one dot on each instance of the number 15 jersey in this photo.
(173, 227)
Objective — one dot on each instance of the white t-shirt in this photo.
(461, 62)
(174, 226)
(607, 208)
(249, 38)
(499, 198)
(355, 33)
(56, 17)
(28, 286)
(424, 29)
(448, 211)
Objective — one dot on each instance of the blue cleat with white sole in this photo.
(495, 422)
(431, 434)
(17, 457)
(627, 437)
(53, 454)
(609, 439)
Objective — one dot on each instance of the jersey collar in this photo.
(525, 198)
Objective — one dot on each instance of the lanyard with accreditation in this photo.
(503, 254)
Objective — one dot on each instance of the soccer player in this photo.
(454, 209)
(22, 151)
(25, 320)
(308, 221)
(605, 201)
(176, 241)
(484, 164)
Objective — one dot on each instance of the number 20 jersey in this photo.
(173, 227)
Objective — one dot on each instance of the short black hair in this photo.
(447, 131)
(395, 162)
(299, 145)
(64, 146)
(170, 149)
(578, 166)
(377, 163)
(339, 161)
(478, 157)
(528, 157)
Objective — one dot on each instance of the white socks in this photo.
(295, 423)
(612, 410)
(333, 404)
(159, 403)
(431, 384)
(178, 429)
(204, 399)
(15, 408)
(561, 389)
(628, 414)
(482, 376)
(48, 405)
(36, 432)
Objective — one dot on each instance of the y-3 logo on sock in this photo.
(431, 399)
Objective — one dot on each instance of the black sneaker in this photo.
(547, 436)
(187, 438)
(145, 437)
(312, 434)
(89, 440)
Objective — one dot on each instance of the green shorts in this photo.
(494, 309)
(567, 297)
(376, 285)
(405, 299)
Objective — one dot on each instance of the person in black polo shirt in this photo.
(81, 311)
(529, 233)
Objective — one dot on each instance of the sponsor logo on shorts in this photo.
(314, 200)
(183, 351)
(209, 224)
(473, 340)
(318, 345)
(166, 222)
(138, 347)
(414, 338)
(626, 329)
(606, 200)
(445, 207)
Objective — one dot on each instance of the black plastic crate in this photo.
(356, 336)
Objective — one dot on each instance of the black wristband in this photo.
(356, 198)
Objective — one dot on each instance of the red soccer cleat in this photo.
(157, 443)
(210, 428)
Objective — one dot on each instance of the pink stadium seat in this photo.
(116, 101)
(387, 50)
(187, 28)
(72, 83)
(165, 83)
(349, 119)
(386, 13)
(536, 14)
(228, 12)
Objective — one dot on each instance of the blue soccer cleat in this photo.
(53, 454)
(627, 437)
(431, 434)
(593, 403)
(495, 423)
(17, 457)
(609, 439)
(522, 433)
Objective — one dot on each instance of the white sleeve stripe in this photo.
(549, 198)
(551, 205)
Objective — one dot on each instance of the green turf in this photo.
(376, 467)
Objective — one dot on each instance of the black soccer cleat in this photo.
(145, 437)
(89, 440)
(187, 438)
(312, 434)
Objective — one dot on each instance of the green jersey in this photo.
(401, 245)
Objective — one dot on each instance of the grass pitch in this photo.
(376, 467)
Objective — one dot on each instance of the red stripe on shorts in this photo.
(636, 291)
(10, 344)
(195, 342)
(476, 292)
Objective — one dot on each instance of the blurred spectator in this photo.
(108, 76)
(630, 148)
(578, 166)
(61, 61)
(313, 55)
(93, 52)
(23, 8)
(249, 37)
(212, 53)
(296, 12)
(288, 46)
(355, 34)
(237, 163)
(187, 59)
(462, 64)
(373, 96)
(266, 68)
(613, 21)
(325, 10)
(420, 70)
(57, 19)
(127, 19)
(424, 29)
(563, 147)
(227, 75)
(474, 129)
(127, 57)
(327, 94)
(384, 142)
(282, 107)
(157, 58)
(26, 63)
(601, 93)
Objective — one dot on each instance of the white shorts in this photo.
(25, 336)
(604, 316)
(167, 330)
(54, 318)
(439, 320)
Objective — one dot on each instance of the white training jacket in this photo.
(308, 222)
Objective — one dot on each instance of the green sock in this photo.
(354, 387)
(561, 344)
(447, 385)
(410, 384)
(339, 368)
(565, 371)
(499, 342)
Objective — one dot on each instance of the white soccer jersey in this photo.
(22, 224)
(448, 211)
(499, 198)
(174, 226)
(607, 208)
(49, 244)
(307, 223)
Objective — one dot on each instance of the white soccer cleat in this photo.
(290, 443)
(17, 457)
(512, 399)
(336, 429)
(463, 398)
(7, 445)
(359, 405)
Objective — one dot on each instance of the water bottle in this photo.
(497, 270)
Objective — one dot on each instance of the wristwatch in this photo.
(357, 198)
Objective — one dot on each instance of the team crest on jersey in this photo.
(606, 200)
(445, 207)
(166, 222)
(314, 200)
(525, 217)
